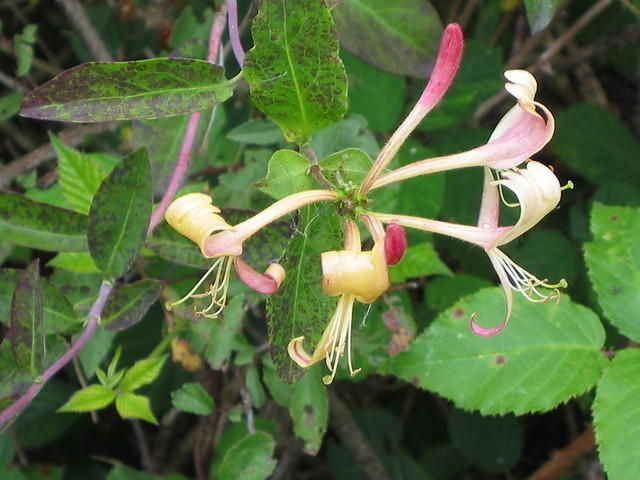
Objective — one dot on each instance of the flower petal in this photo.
(269, 282)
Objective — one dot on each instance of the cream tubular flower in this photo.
(521, 133)
(538, 192)
(353, 275)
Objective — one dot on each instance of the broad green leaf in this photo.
(613, 264)
(494, 444)
(547, 354)
(23, 46)
(540, 13)
(122, 472)
(249, 459)
(130, 405)
(26, 327)
(443, 291)
(155, 88)
(256, 131)
(192, 398)
(120, 214)
(78, 262)
(418, 261)
(309, 409)
(254, 387)
(398, 39)
(95, 351)
(349, 132)
(7, 284)
(288, 173)
(129, 303)
(376, 95)
(615, 415)
(94, 397)
(300, 306)
(59, 315)
(597, 144)
(348, 166)
(9, 105)
(42, 226)
(294, 71)
(141, 373)
(170, 245)
(79, 175)
(222, 332)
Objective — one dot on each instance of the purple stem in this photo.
(92, 323)
(190, 135)
(234, 32)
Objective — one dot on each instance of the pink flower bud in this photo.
(395, 243)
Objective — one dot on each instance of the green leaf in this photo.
(9, 105)
(402, 40)
(288, 173)
(94, 397)
(540, 13)
(79, 175)
(192, 398)
(597, 144)
(615, 415)
(120, 214)
(494, 444)
(300, 306)
(256, 131)
(376, 95)
(122, 472)
(349, 132)
(418, 261)
(350, 165)
(78, 262)
(249, 459)
(59, 315)
(547, 354)
(23, 46)
(41, 226)
(254, 387)
(130, 405)
(170, 245)
(294, 71)
(26, 327)
(613, 264)
(129, 303)
(142, 373)
(309, 409)
(144, 89)
(222, 332)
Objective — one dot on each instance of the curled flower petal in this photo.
(269, 282)
(361, 274)
(194, 216)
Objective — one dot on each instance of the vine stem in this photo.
(189, 139)
(92, 323)
(234, 32)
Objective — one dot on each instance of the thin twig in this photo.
(352, 437)
(145, 454)
(78, 17)
(92, 323)
(71, 137)
(563, 460)
(548, 54)
(190, 135)
(248, 410)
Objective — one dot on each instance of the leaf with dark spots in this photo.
(40, 225)
(295, 75)
(119, 215)
(300, 306)
(26, 326)
(129, 303)
(145, 89)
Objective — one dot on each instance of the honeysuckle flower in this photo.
(194, 216)
(537, 190)
(353, 275)
(519, 134)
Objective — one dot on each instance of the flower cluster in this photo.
(355, 275)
